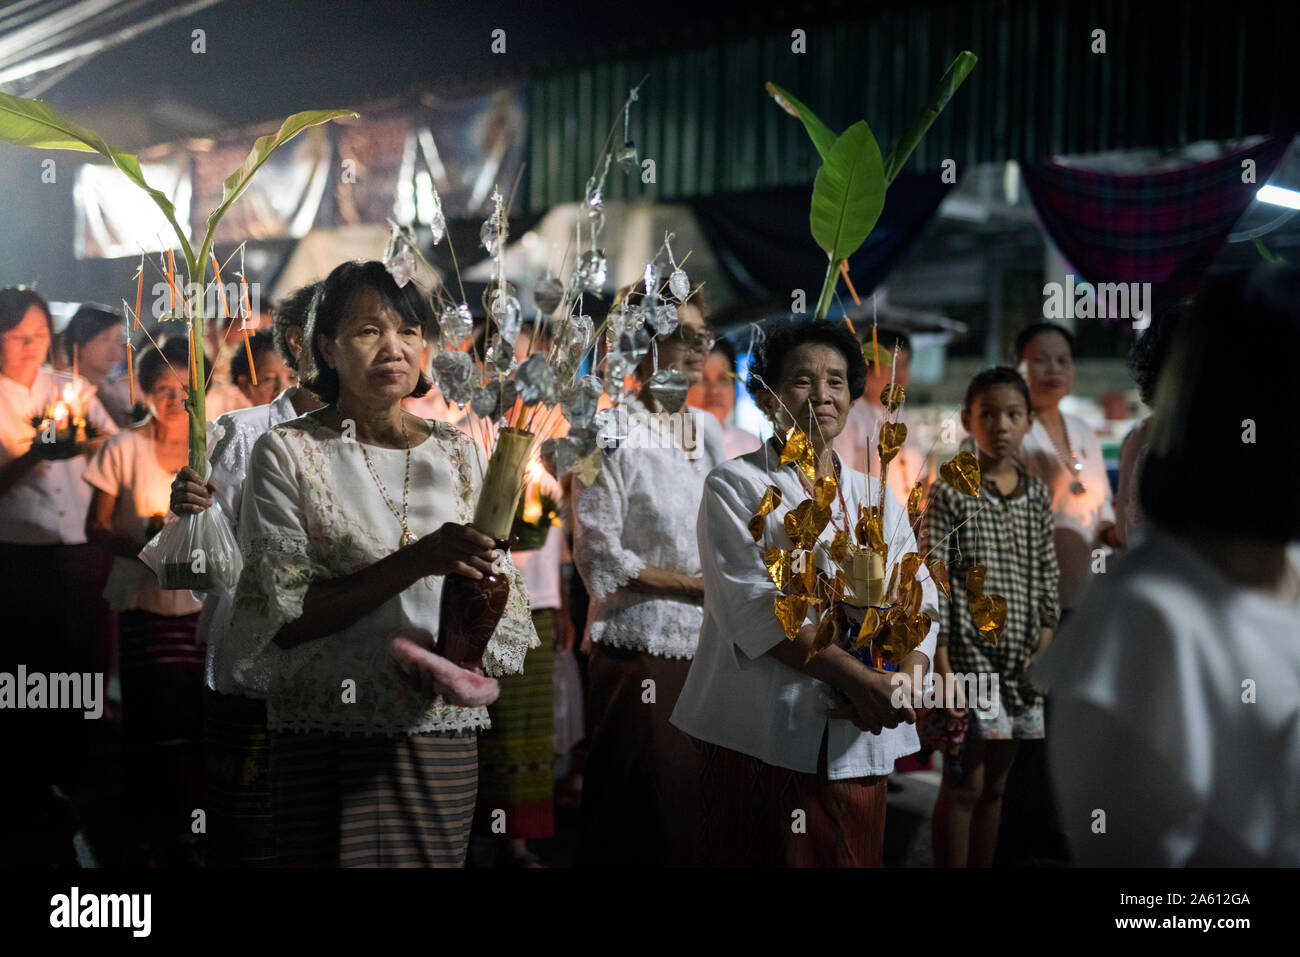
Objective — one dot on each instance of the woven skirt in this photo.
(516, 790)
(162, 734)
(754, 814)
(352, 801)
(238, 782)
(640, 795)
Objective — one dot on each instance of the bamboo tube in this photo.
(495, 512)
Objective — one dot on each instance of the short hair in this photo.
(86, 323)
(725, 349)
(259, 344)
(886, 339)
(995, 376)
(1149, 351)
(173, 351)
(1198, 454)
(290, 312)
(332, 299)
(782, 338)
(14, 303)
(1032, 332)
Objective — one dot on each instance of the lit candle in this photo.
(533, 500)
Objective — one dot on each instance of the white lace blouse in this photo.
(312, 511)
(639, 511)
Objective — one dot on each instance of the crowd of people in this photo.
(638, 653)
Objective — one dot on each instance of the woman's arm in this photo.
(654, 580)
(99, 527)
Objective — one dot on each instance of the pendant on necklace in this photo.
(407, 538)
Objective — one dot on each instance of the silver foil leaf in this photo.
(591, 270)
(559, 455)
(509, 316)
(399, 254)
(633, 344)
(500, 356)
(662, 318)
(483, 402)
(536, 380)
(548, 294)
(679, 284)
(452, 370)
(490, 236)
(627, 159)
(579, 404)
(669, 387)
(578, 333)
(455, 324)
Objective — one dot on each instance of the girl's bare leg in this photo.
(950, 825)
(998, 758)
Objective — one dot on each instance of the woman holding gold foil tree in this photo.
(350, 518)
(786, 730)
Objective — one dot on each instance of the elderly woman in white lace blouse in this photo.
(635, 547)
(350, 518)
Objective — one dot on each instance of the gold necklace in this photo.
(407, 538)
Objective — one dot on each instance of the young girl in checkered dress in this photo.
(1008, 529)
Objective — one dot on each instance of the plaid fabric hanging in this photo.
(1163, 228)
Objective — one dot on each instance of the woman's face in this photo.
(375, 351)
(1048, 368)
(687, 348)
(273, 377)
(814, 389)
(25, 346)
(98, 357)
(167, 402)
(716, 392)
(997, 420)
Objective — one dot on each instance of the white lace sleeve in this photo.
(279, 565)
(598, 549)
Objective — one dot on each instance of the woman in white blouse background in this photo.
(634, 545)
(781, 747)
(50, 586)
(1064, 452)
(349, 519)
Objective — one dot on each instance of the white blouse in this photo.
(239, 431)
(311, 511)
(1176, 712)
(48, 507)
(640, 511)
(1078, 518)
(736, 694)
(127, 468)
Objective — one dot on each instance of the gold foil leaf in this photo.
(777, 561)
(914, 503)
(989, 614)
(962, 473)
(798, 449)
(824, 491)
(891, 397)
(919, 627)
(771, 499)
(975, 581)
(892, 437)
(831, 588)
(893, 580)
(893, 645)
(911, 598)
(939, 574)
(804, 524)
(805, 581)
(827, 635)
(868, 529)
(839, 546)
(871, 623)
(790, 612)
(908, 568)
(756, 526)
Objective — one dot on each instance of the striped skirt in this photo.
(162, 735)
(238, 782)
(352, 801)
(754, 814)
(516, 790)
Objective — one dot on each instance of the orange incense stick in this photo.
(247, 309)
(221, 290)
(130, 374)
(171, 278)
(139, 293)
(844, 271)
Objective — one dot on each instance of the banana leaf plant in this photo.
(32, 123)
(849, 191)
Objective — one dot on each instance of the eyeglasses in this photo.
(702, 341)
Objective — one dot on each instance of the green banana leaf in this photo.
(32, 123)
(238, 181)
(822, 136)
(939, 96)
(848, 193)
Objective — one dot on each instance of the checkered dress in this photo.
(1013, 538)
